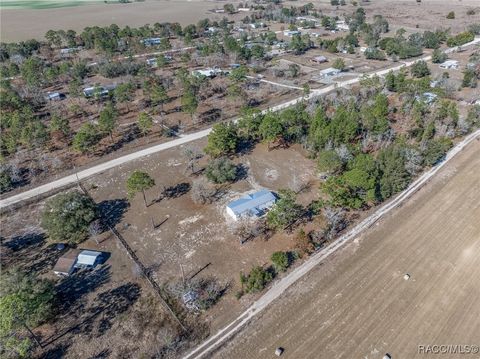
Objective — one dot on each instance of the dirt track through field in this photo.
(357, 304)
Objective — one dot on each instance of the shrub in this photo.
(303, 243)
(222, 140)
(329, 162)
(67, 216)
(373, 53)
(285, 211)
(460, 39)
(339, 64)
(256, 280)
(6, 182)
(451, 15)
(420, 69)
(438, 56)
(221, 170)
(202, 191)
(280, 261)
(435, 150)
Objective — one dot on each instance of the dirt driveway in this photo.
(358, 304)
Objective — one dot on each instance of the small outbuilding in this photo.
(66, 263)
(88, 259)
(319, 59)
(151, 41)
(449, 64)
(330, 72)
(291, 32)
(55, 96)
(251, 205)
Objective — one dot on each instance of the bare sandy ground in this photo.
(23, 24)
(357, 304)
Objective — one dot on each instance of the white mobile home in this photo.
(449, 64)
(251, 205)
(330, 72)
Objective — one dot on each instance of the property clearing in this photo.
(357, 302)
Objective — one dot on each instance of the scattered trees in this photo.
(107, 122)
(221, 170)
(438, 56)
(285, 211)
(339, 64)
(144, 122)
(139, 181)
(460, 39)
(420, 69)
(256, 280)
(280, 261)
(222, 141)
(86, 138)
(25, 302)
(66, 217)
(202, 192)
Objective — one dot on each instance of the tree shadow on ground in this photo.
(29, 252)
(245, 147)
(242, 172)
(105, 353)
(177, 190)
(112, 211)
(71, 291)
(56, 352)
(128, 136)
(112, 303)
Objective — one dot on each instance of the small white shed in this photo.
(88, 259)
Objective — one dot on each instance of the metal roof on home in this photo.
(252, 203)
(87, 257)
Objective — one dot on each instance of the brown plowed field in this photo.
(358, 305)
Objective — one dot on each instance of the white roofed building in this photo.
(251, 205)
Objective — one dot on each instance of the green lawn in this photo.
(43, 4)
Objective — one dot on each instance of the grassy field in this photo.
(23, 20)
(43, 4)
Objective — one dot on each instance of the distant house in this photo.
(257, 25)
(151, 41)
(66, 263)
(291, 32)
(319, 59)
(153, 62)
(70, 50)
(210, 72)
(342, 25)
(251, 205)
(55, 96)
(427, 97)
(103, 91)
(449, 64)
(88, 259)
(329, 72)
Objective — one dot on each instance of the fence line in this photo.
(145, 272)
